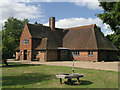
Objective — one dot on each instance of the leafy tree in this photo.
(10, 36)
(13, 27)
(36, 23)
(8, 46)
(111, 16)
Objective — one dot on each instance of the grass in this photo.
(43, 76)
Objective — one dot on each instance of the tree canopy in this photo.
(13, 27)
(38, 23)
(10, 36)
(111, 15)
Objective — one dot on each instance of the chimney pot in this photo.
(52, 23)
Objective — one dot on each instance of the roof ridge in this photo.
(93, 30)
(37, 25)
(81, 26)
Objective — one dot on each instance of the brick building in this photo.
(86, 43)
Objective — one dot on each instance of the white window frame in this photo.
(75, 53)
(90, 53)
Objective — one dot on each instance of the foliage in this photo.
(8, 46)
(10, 36)
(111, 16)
(43, 76)
(13, 27)
(38, 23)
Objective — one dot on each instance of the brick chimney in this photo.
(52, 23)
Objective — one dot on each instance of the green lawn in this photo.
(43, 76)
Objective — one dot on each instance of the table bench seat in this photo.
(69, 76)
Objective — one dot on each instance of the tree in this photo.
(35, 23)
(111, 16)
(10, 36)
(38, 23)
(13, 27)
(8, 46)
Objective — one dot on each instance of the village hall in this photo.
(46, 43)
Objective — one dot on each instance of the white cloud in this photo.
(14, 0)
(11, 8)
(74, 22)
(108, 32)
(106, 26)
(19, 10)
(91, 4)
(106, 29)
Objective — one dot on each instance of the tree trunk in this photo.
(5, 61)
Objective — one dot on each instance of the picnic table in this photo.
(69, 77)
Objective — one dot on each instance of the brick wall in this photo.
(83, 56)
(17, 55)
(21, 55)
(25, 35)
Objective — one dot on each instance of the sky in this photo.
(68, 13)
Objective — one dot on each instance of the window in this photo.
(42, 51)
(25, 41)
(75, 53)
(90, 53)
(37, 52)
(65, 52)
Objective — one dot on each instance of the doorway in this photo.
(42, 56)
(25, 54)
(59, 55)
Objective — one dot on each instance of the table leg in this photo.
(78, 80)
(69, 81)
(60, 80)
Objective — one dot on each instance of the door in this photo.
(42, 56)
(59, 55)
(25, 54)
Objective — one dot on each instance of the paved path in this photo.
(112, 66)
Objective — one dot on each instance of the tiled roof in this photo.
(83, 38)
(42, 44)
(54, 39)
(86, 38)
(102, 42)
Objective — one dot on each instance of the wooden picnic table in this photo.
(69, 77)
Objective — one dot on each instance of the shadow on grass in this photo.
(19, 65)
(82, 82)
(24, 79)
